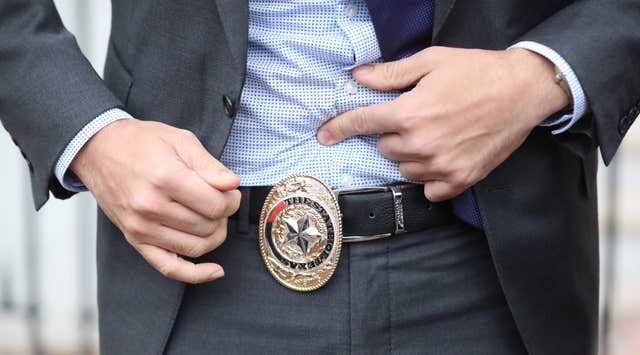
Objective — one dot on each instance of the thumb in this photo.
(394, 75)
(437, 191)
(212, 171)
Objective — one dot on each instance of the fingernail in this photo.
(363, 69)
(217, 274)
(324, 137)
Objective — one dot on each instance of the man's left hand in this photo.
(469, 110)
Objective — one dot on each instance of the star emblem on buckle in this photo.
(301, 233)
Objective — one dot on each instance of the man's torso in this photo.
(299, 61)
(183, 65)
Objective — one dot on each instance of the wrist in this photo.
(81, 165)
(540, 80)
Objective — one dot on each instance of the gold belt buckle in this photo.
(301, 233)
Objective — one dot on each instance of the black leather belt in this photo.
(372, 212)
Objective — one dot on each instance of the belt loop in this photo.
(242, 225)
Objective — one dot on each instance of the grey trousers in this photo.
(429, 292)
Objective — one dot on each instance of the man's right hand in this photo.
(164, 191)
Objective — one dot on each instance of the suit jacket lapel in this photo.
(442, 10)
(234, 15)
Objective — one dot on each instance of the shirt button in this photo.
(351, 10)
(351, 87)
(346, 181)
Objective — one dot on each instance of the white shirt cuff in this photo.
(66, 177)
(579, 99)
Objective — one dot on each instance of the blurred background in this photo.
(47, 260)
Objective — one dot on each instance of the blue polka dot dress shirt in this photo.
(300, 56)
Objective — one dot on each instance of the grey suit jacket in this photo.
(179, 62)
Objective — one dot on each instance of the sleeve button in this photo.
(624, 125)
(229, 106)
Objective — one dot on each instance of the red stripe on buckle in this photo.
(275, 211)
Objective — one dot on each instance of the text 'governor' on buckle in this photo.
(396, 192)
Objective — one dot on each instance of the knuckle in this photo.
(405, 123)
(441, 164)
(409, 172)
(359, 121)
(423, 55)
(421, 147)
(391, 72)
(210, 228)
(383, 147)
(133, 227)
(200, 249)
(407, 119)
(167, 269)
(192, 279)
(144, 204)
(416, 145)
(192, 250)
(155, 125)
(160, 176)
(461, 179)
(432, 146)
(220, 237)
(455, 186)
(218, 209)
(186, 134)
(433, 51)
(216, 239)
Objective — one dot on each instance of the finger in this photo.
(174, 267)
(437, 191)
(233, 198)
(176, 216)
(378, 118)
(189, 189)
(420, 171)
(196, 157)
(187, 244)
(395, 75)
(393, 146)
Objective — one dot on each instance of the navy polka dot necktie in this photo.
(404, 27)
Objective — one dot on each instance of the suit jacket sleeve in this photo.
(600, 39)
(48, 89)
